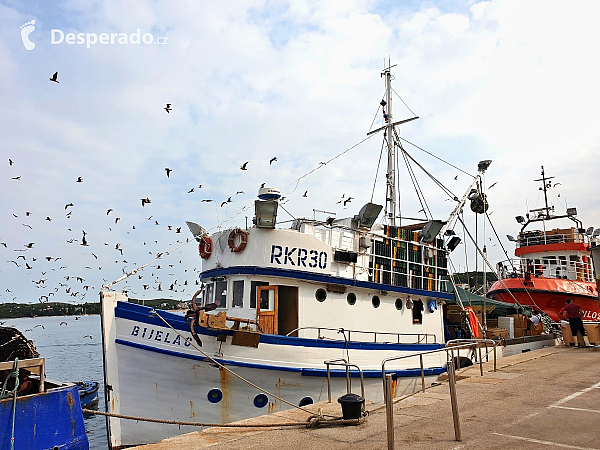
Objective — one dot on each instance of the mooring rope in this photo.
(314, 420)
(207, 356)
(5, 393)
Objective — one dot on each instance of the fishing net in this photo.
(13, 344)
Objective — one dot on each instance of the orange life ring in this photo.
(243, 240)
(205, 247)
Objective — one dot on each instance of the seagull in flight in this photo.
(243, 166)
(168, 109)
(272, 160)
(55, 78)
(168, 170)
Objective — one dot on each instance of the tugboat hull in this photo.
(548, 295)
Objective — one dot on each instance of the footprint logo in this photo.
(26, 30)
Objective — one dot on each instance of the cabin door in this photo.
(266, 308)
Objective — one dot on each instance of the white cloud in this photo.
(299, 80)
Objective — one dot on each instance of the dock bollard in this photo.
(389, 411)
(452, 384)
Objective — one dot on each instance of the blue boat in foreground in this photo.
(36, 414)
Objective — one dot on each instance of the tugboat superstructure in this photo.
(552, 265)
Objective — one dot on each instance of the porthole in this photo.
(398, 304)
(351, 298)
(214, 395)
(321, 295)
(261, 400)
(375, 301)
(306, 401)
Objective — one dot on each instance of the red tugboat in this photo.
(552, 265)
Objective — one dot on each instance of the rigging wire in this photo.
(467, 260)
(398, 183)
(422, 201)
(403, 102)
(447, 191)
(377, 171)
(511, 262)
(437, 157)
(375, 118)
(488, 263)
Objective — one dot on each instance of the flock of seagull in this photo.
(62, 276)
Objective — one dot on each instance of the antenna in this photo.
(545, 187)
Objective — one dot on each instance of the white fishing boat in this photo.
(276, 304)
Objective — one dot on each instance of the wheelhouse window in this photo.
(221, 294)
(253, 286)
(208, 293)
(238, 294)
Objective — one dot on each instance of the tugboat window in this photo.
(238, 294)
(221, 294)
(417, 311)
(375, 301)
(253, 286)
(398, 304)
(321, 295)
(351, 298)
(208, 293)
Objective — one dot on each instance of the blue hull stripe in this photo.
(141, 313)
(310, 276)
(304, 372)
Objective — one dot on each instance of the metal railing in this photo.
(347, 365)
(555, 268)
(387, 383)
(420, 336)
(541, 238)
(474, 342)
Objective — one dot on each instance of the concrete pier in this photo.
(540, 399)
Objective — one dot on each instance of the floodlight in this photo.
(368, 215)
(520, 219)
(431, 230)
(196, 230)
(571, 211)
(589, 231)
(265, 213)
(483, 165)
(596, 232)
(453, 243)
(510, 238)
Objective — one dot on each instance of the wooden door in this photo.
(266, 308)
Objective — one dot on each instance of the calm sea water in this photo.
(71, 357)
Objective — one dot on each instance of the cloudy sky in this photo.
(514, 82)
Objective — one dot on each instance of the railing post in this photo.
(348, 386)
(328, 383)
(389, 411)
(422, 374)
(480, 360)
(495, 369)
(452, 384)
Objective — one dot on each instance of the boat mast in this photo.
(547, 209)
(391, 162)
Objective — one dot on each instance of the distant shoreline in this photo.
(58, 309)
